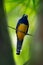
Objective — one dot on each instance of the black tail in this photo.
(19, 45)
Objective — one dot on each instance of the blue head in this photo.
(23, 20)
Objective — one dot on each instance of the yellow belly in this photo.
(23, 28)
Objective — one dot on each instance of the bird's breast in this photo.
(23, 28)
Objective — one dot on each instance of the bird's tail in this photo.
(19, 45)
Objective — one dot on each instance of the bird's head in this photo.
(25, 16)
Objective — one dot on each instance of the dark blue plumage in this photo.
(23, 20)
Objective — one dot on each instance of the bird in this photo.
(21, 30)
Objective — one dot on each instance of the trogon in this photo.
(21, 31)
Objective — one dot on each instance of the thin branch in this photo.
(19, 30)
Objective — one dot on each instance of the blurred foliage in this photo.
(6, 55)
(14, 10)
